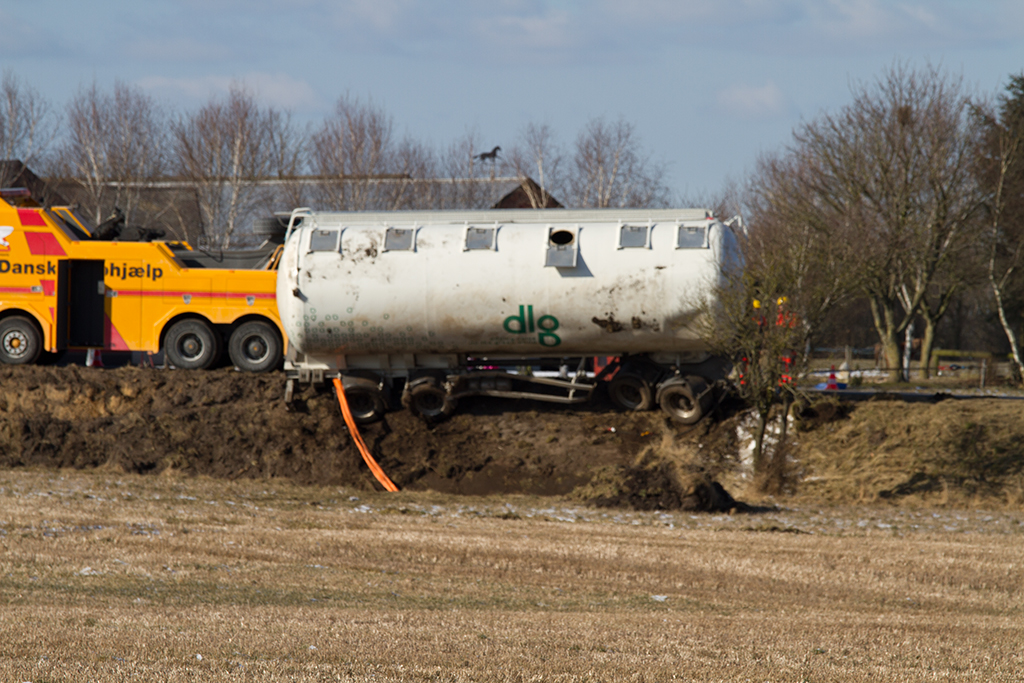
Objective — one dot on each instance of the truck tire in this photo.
(365, 399)
(20, 341)
(366, 404)
(255, 347)
(630, 392)
(685, 401)
(191, 345)
(430, 402)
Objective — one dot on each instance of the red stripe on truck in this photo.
(198, 295)
(43, 244)
(114, 340)
(31, 217)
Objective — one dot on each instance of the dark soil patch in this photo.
(230, 425)
(233, 425)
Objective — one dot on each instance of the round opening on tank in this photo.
(560, 238)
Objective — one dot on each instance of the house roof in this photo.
(15, 174)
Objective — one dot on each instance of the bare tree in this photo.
(114, 143)
(353, 152)
(287, 147)
(895, 166)
(538, 154)
(800, 241)
(463, 174)
(416, 166)
(1001, 171)
(774, 303)
(27, 125)
(961, 273)
(609, 168)
(751, 321)
(224, 151)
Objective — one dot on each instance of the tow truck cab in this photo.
(61, 288)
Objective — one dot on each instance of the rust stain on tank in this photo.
(684, 321)
(357, 253)
(609, 324)
(640, 324)
(451, 327)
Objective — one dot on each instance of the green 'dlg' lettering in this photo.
(524, 323)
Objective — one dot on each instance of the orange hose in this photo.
(360, 444)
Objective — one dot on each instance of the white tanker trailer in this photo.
(443, 305)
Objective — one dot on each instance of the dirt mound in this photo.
(963, 452)
(227, 424)
(660, 486)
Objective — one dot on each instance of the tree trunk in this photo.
(926, 346)
(787, 404)
(773, 475)
(884, 314)
(762, 426)
(1011, 336)
(908, 349)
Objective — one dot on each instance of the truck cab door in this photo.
(80, 303)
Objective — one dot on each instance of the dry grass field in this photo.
(109, 576)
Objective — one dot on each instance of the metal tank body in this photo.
(403, 289)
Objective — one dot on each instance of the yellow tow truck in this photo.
(64, 286)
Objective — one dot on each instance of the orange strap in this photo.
(360, 444)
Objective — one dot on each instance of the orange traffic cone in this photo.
(832, 385)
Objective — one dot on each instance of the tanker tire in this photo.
(255, 347)
(366, 403)
(630, 392)
(191, 345)
(430, 402)
(20, 341)
(683, 400)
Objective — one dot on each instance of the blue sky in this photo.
(709, 84)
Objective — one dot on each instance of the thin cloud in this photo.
(797, 26)
(858, 25)
(181, 49)
(922, 15)
(382, 15)
(23, 38)
(500, 32)
(275, 90)
(199, 88)
(700, 12)
(514, 32)
(283, 91)
(752, 102)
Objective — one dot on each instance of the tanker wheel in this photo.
(191, 345)
(630, 392)
(20, 341)
(255, 347)
(685, 401)
(430, 401)
(365, 399)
